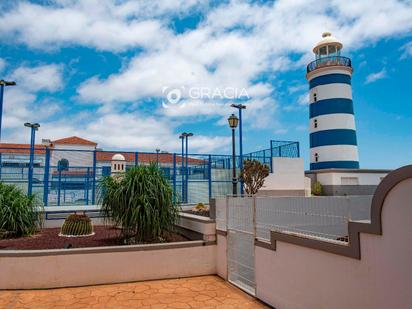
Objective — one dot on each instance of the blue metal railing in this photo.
(205, 175)
(329, 61)
(277, 149)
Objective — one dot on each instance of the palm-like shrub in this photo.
(141, 203)
(20, 215)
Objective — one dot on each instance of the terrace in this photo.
(271, 247)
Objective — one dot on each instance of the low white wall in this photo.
(364, 179)
(298, 277)
(199, 224)
(221, 256)
(288, 174)
(91, 266)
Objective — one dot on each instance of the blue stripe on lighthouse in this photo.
(333, 137)
(330, 79)
(331, 106)
(334, 164)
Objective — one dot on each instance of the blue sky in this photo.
(100, 70)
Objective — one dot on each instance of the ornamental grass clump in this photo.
(141, 203)
(77, 225)
(20, 215)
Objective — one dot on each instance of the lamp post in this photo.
(182, 137)
(3, 83)
(34, 127)
(233, 121)
(240, 107)
(187, 165)
(157, 156)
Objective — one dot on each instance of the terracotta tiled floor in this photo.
(198, 292)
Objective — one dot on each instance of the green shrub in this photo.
(141, 203)
(77, 225)
(20, 215)
(317, 188)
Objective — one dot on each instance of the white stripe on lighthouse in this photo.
(331, 91)
(332, 121)
(334, 153)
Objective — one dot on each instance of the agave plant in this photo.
(141, 203)
(20, 215)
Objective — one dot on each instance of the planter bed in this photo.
(48, 238)
(203, 213)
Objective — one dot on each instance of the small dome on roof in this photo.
(118, 157)
(328, 39)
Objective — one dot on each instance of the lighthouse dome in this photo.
(118, 157)
(327, 39)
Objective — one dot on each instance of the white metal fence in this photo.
(241, 238)
(323, 217)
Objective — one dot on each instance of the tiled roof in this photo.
(20, 148)
(74, 140)
(145, 157)
(105, 156)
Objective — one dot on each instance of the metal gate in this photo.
(241, 236)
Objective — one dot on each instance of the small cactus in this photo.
(77, 225)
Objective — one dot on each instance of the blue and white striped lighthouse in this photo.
(332, 122)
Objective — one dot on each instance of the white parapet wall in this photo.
(288, 178)
(38, 269)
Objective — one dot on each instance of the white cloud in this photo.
(2, 64)
(21, 102)
(406, 50)
(239, 41)
(235, 45)
(40, 78)
(281, 131)
(123, 131)
(303, 99)
(103, 24)
(373, 77)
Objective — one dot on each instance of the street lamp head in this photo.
(7, 83)
(183, 135)
(233, 121)
(238, 106)
(34, 126)
(157, 150)
(189, 134)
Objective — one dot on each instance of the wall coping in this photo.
(344, 170)
(108, 249)
(193, 217)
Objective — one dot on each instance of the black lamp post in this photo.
(240, 107)
(233, 122)
(34, 127)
